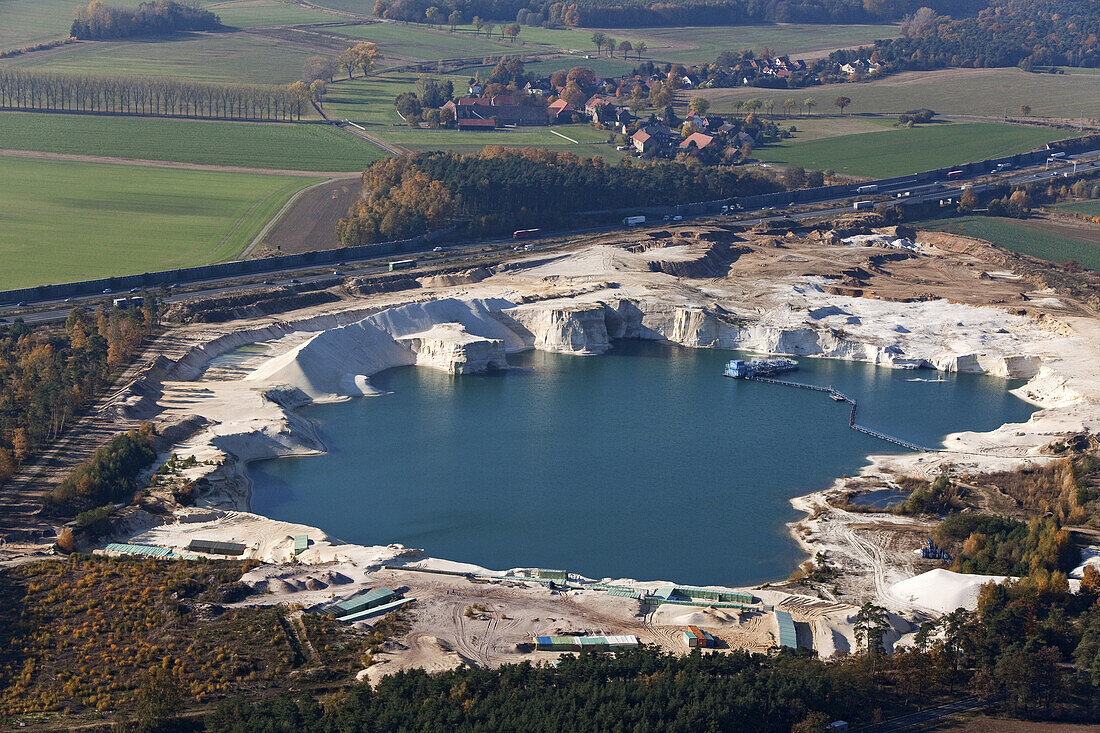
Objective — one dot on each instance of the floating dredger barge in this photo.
(739, 369)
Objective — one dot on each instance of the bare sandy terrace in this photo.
(945, 303)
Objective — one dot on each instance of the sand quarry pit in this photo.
(940, 302)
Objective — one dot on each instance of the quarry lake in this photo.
(644, 462)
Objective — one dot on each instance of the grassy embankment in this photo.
(1088, 208)
(898, 151)
(286, 146)
(76, 221)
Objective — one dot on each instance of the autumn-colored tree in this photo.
(302, 96)
(366, 55)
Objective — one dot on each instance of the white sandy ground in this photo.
(576, 304)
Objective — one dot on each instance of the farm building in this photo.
(476, 123)
(560, 111)
(787, 635)
(212, 547)
(695, 637)
(697, 140)
(583, 643)
(502, 109)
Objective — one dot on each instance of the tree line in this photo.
(48, 375)
(24, 89)
(1025, 33)
(98, 21)
(665, 13)
(499, 189)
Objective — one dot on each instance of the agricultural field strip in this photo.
(891, 152)
(1035, 238)
(132, 219)
(243, 146)
(988, 92)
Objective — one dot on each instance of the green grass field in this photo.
(212, 57)
(370, 101)
(266, 13)
(693, 45)
(947, 91)
(288, 146)
(66, 221)
(1024, 236)
(1088, 208)
(589, 140)
(358, 7)
(420, 43)
(896, 152)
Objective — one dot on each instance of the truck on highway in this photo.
(954, 174)
(633, 221)
(526, 233)
(869, 188)
(863, 205)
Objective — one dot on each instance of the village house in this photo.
(652, 138)
(697, 141)
(591, 104)
(560, 111)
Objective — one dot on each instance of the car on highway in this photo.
(267, 282)
(135, 290)
(295, 281)
(337, 272)
(67, 300)
(21, 304)
(437, 249)
(106, 291)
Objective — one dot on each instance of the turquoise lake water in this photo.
(644, 462)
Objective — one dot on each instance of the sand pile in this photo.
(943, 591)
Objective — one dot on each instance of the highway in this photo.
(904, 193)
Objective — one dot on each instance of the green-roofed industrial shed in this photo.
(213, 547)
(366, 601)
(788, 637)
